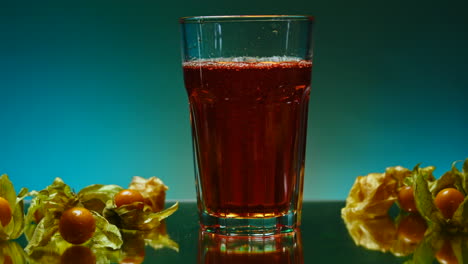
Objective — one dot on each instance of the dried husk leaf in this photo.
(371, 196)
(153, 191)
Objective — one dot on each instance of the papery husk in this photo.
(372, 196)
(153, 191)
(367, 205)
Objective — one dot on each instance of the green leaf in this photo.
(460, 217)
(465, 166)
(22, 194)
(43, 233)
(427, 172)
(18, 215)
(95, 197)
(408, 181)
(17, 221)
(449, 179)
(165, 213)
(30, 219)
(57, 198)
(423, 198)
(463, 174)
(107, 235)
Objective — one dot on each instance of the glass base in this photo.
(249, 226)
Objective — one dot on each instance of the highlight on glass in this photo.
(248, 84)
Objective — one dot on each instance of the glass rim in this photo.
(243, 18)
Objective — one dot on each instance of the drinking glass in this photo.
(248, 84)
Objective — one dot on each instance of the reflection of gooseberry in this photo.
(406, 199)
(126, 197)
(133, 250)
(5, 212)
(445, 255)
(78, 255)
(448, 201)
(412, 228)
(7, 260)
(77, 225)
(132, 260)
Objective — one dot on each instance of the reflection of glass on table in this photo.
(281, 248)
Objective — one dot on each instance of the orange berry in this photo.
(406, 199)
(5, 212)
(126, 197)
(77, 225)
(448, 201)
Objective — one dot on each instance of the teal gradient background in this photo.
(92, 91)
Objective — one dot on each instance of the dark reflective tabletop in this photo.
(323, 239)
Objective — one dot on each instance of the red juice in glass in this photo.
(249, 120)
(248, 84)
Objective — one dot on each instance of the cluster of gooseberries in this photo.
(413, 227)
(447, 200)
(77, 225)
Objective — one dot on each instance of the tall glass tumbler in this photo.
(248, 83)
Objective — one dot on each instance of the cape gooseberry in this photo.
(5, 212)
(406, 199)
(77, 225)
(448, 201)
(126, 197)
